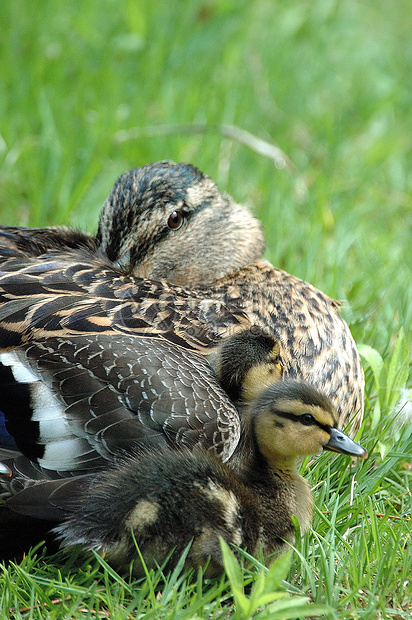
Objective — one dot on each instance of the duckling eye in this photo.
(175, 220)
(307, 419)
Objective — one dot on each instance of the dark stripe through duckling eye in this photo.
(306, 419)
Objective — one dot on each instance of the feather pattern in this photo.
(117, 328)
(90, 388)
(165, 498)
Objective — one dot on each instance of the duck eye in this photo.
(175, 220)
(307, 419)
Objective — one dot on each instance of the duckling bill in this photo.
(339, 442)
(165, 500)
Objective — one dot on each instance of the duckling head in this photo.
(246, 363)
(293, 420)
(169, 221)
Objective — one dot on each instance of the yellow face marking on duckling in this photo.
(143, 514)
(283, 439)
(260, 376)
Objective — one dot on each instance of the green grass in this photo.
(84, 88)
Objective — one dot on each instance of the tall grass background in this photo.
(90, 90)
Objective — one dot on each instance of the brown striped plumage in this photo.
(175, 261)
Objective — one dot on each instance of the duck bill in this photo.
(339, 442)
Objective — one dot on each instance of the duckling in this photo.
(173, 260)
(246, 363)
(166, 500)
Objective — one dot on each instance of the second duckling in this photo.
(163, 501)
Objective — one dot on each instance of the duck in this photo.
(175, 267)
(169, 500)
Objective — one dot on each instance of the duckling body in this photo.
(166, 500)
(171, 498)
(64, 290)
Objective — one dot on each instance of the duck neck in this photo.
(283, 466)
(255, 465)
(253, 458)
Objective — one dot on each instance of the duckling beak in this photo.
(339, 442)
